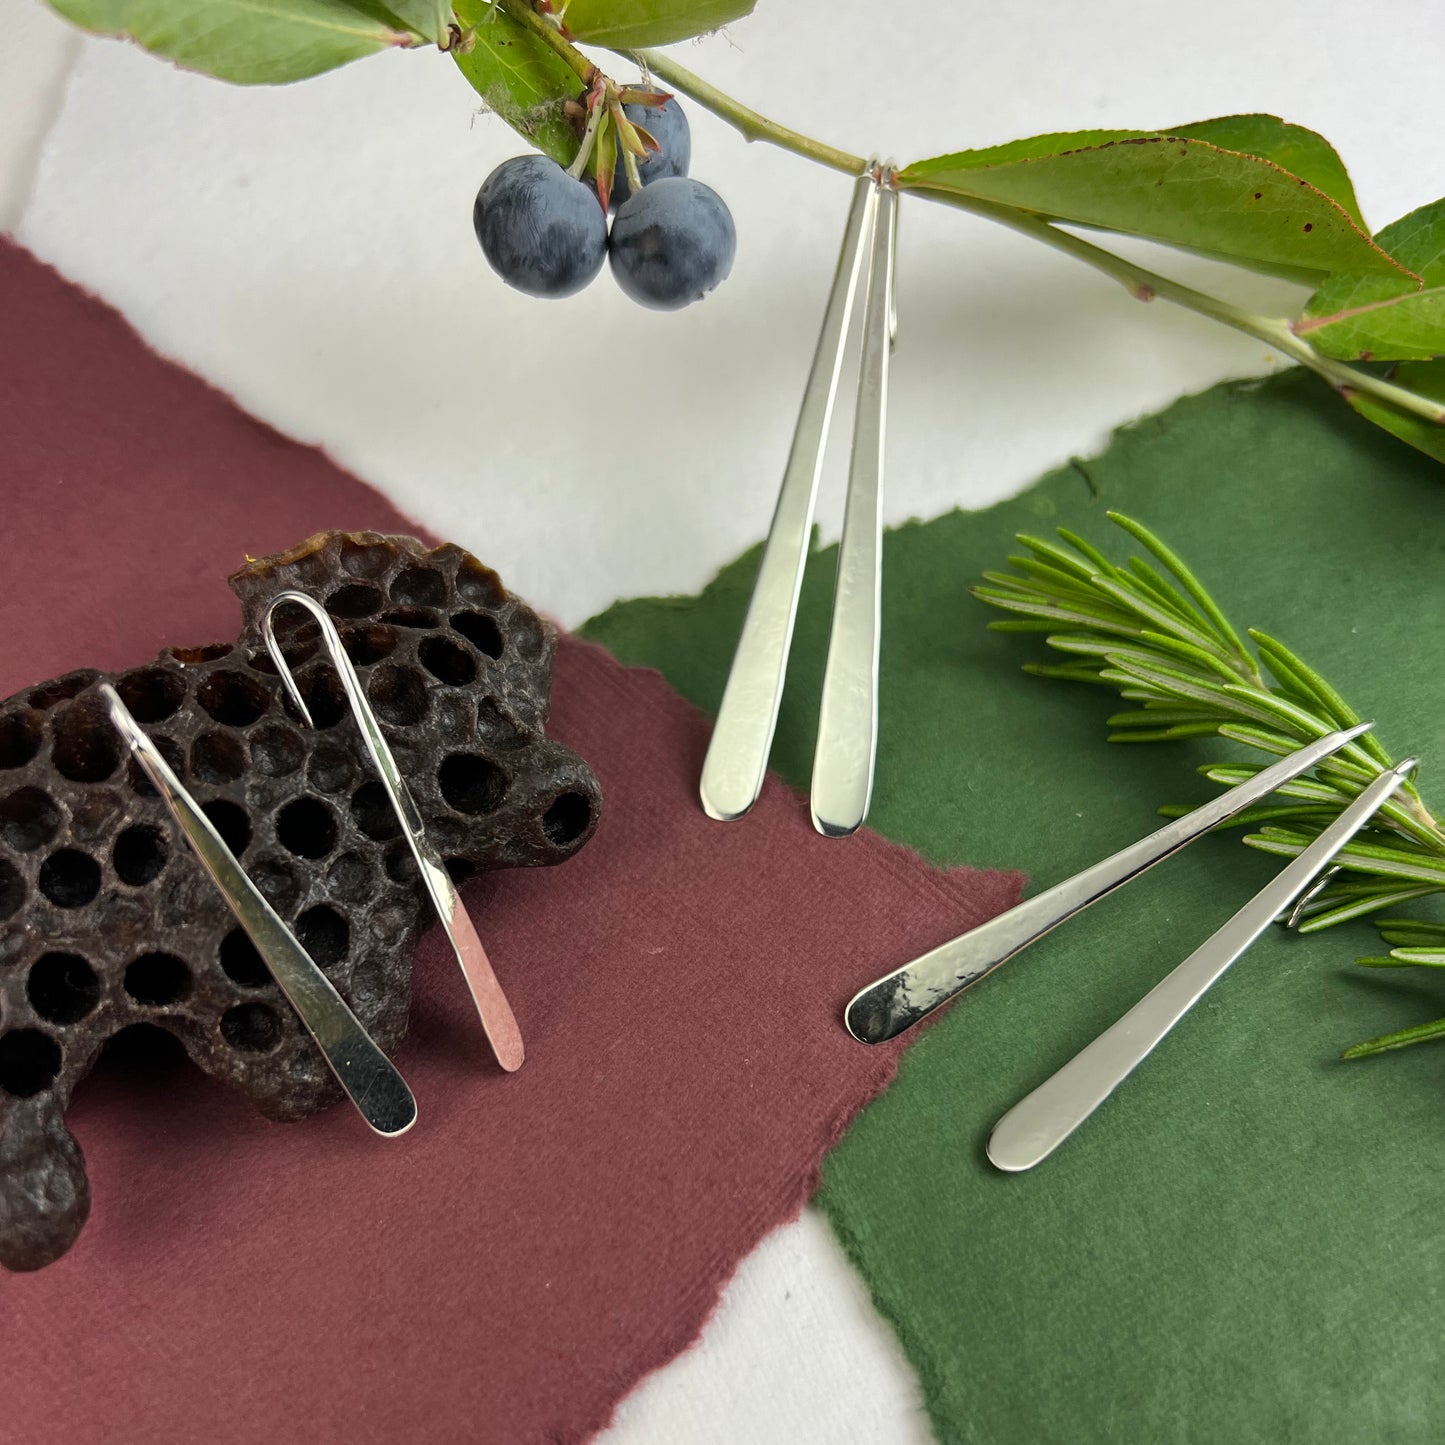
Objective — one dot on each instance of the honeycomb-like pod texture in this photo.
(106, 918)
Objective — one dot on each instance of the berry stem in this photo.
(752, 125)
(1145, 285)
(595, 113)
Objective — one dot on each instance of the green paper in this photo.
(1243, 1245)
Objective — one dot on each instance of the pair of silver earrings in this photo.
(371, 1081)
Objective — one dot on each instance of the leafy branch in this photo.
(1150, 630)
(1251, 190)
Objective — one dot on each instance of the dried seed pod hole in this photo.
(472, 784)
(70, 878)
(567, 819)
(12, 890)
(277, 880)
(398, 695)
(324, 696)
(496, 728)
(331, 769)
(230, 821)
(480, 630)
(61, 690)
(276, 751)
(447, 662)
(354, 600)
(324, 934)
(241, 963)
(351, 879)
(29, 818)
(253, 1028)
(62, 988)
(419, 587)
(372, 812)
(399, 863)
(233, 699)
(29, 1062)
(365, 559)
(86, 747)
(20, 734)
(218, 757)
(478, 584)
(152, 694)
(157, 980)
(139, 855)
(307, 828)
(369, 644)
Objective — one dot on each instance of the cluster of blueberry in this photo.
(671, 241)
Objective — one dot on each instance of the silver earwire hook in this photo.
(1297, 914)
(369, 1078)
(847, 746)
(737, 755)
(498, 1021)
(890, 173)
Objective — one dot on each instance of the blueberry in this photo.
(667, 125)
(672, 243)
(543, 231)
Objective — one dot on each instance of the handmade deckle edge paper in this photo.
(510, 1268)
(1239, 1248)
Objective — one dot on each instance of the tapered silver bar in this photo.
(498, 1021)
(900, 999)
(737, 756)
(847, 746)
(1039, 1123)
(369, 1078)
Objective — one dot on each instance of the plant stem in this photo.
(751, 125)
(589, 140)
(1145, 285)
(1138, 280)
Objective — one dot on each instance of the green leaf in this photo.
(1420, 1034)
(249, 42)
(1293, 148)
(429, 18)
(632, 24)
(1180, 189)
(1425, 378)
(521, 78)
(1387, 318)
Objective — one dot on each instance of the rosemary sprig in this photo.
(1150, 629)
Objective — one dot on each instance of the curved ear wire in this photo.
(498, 1021)
(370, 1079)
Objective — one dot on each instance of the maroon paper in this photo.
(509, 1269)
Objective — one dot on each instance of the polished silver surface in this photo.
(900, 999)
(495, 1012)
(1039, 1123)
(737, 756)
(368, 1076)
(847, 746)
